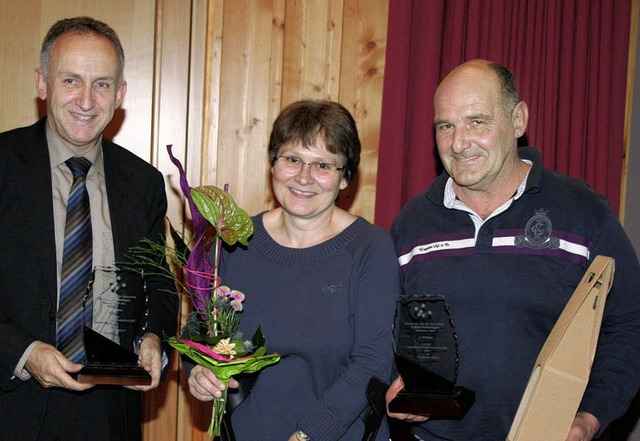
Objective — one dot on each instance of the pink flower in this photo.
(236, 305)
(237, 295)
(223, 291)
(205, 350)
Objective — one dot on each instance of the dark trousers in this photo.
(100, 414)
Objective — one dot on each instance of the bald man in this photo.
(507, 241)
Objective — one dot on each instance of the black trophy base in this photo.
(109, 363)
(453, 404)
(122, 376)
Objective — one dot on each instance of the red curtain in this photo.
(569, 58)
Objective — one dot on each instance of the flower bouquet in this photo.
(211, 337)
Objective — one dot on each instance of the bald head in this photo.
(494, 74)
(477, 124)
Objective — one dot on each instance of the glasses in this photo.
(320, 170)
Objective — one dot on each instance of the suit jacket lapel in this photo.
(121, 205)
(31, 171)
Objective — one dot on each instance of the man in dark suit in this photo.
(81, 78)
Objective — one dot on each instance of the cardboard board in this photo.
(562, 369)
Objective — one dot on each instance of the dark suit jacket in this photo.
(137, 204)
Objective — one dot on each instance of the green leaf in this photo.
(239, 348)
(258, 338)
(232, 223)
(209, 340)
(225, 369)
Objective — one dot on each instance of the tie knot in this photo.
(79, 166)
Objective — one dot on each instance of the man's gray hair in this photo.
(82, 25)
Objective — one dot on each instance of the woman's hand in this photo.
(205, 386)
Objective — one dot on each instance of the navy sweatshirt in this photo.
(328, 310)
(508, 282)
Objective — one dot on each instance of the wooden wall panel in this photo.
(313, 43)
(206, 162)
(170, 83)
(361, 77)
(23, 26)
(274, 52)
(21, 34)
(170, 110)
(192, 416)
(243, 114)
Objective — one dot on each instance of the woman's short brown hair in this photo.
(307, 120)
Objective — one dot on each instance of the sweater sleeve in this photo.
(374, 288)
(614, 378)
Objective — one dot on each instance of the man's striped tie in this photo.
(76, 265)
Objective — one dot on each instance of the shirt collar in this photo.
(59, 152)
(450, 193)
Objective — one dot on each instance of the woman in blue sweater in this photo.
(321, 282)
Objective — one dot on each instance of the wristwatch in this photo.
(302, 436)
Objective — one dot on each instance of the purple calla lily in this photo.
(199, 271)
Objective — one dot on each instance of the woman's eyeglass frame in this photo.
(319, 169)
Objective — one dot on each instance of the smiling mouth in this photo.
(301, 193)
(83, 117)
(465, 159)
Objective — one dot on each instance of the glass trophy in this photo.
(109, 342)
(427, 359)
